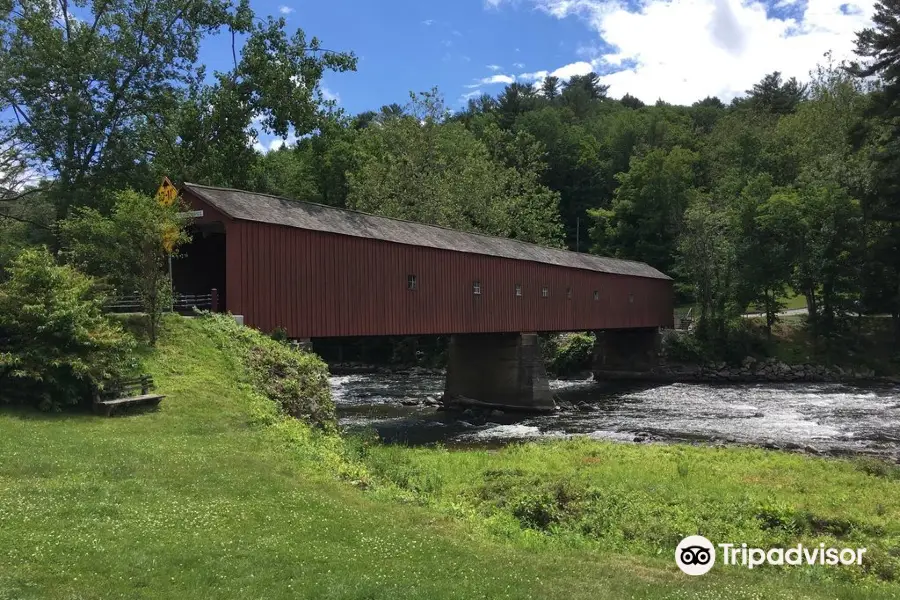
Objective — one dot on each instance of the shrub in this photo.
(741, 338)
(295, 380)
(56, 344)
(682, 347)
(569, 353)
(129, 248)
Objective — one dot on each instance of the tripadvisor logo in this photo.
(696, 555)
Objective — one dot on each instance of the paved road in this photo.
(784, 313)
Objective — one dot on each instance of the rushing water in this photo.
(827, 418)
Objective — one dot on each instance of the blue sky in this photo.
(678, 50)
(404, 45)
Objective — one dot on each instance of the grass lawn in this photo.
(200, 500)
(790, 301)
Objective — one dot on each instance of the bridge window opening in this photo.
(630, 298)
(569, 293)
(545, 292)
(596, 295)
(476, 288)
(518, 291)
(411, 283)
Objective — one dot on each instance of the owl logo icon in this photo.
(695, 555)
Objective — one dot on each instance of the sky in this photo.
(677, 50)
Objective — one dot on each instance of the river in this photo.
(821, 418)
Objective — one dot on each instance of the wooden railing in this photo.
(181, 303)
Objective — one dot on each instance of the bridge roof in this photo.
(264, 208)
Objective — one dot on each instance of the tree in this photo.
(764, 252)
(645, 218)
(551, 87)
(707, 260)
(516, 99)
(589, 83)
(773, 96)
(85, 89)
(56, 344)
(431, 172)
(202, 134)
(632, 102)
(129, 249)
(820, 224)
(879, 47)
(79, 87)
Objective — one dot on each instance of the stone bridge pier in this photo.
(500, 370)
(624, 351)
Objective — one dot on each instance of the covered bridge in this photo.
(320, 271)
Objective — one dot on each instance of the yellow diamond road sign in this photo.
(167, 193)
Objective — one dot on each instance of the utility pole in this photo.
(577, 234)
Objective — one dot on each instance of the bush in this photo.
(741, 338)
(295, 380)
(56, 344)
(682, 347)
(568, 354)
(129, 248)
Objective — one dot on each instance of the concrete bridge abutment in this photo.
(500, 370)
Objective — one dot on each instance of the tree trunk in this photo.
(770, 312)
(828, 306)
(811, 307)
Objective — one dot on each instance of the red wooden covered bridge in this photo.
(319, 271)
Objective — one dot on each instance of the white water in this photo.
(830, 418)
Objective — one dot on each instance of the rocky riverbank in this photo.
(751, 371)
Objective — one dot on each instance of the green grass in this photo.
(641, 500)
(212, 496)
(790, 301)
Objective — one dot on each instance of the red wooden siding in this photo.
(318, 284)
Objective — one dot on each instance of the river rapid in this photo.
(817, 418)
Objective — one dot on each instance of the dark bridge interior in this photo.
(201, 266)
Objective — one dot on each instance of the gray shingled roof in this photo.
(263, 208)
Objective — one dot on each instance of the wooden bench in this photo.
(127, 392)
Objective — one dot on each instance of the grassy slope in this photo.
(643, 499)
(195, 501)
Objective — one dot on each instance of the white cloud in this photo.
(428, 22)
(519, 65)
(469, 95)
(684, 50)
(329, 95)
(272, 144)
(494, 67)
(285, 10)
(457, 33)
(568, 71)
(536, 76)
(493, 79)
